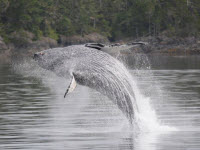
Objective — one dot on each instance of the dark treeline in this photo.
(115, 19)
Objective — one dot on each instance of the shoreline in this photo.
(161, 45)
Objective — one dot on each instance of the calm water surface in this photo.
(35, 116)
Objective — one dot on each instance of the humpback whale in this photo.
(89, 66)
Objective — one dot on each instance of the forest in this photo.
(115, 19)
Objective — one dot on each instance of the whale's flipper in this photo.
(71, 86)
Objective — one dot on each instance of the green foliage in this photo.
(20, 38)
(38, 34)
(65, 27)
(3, 5)
(3, 33)
(115, 19)
(52, 34)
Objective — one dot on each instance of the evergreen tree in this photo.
(115, 19)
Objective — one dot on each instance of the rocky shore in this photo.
(172, 45)
(25, 45)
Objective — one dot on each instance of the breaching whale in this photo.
(93, 68)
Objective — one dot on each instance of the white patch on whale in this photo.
(71, 86)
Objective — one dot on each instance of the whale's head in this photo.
(51, 58)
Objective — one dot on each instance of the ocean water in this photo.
(34, 114)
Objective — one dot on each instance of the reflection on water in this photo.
(34, 115)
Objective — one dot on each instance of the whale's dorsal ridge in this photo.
(98, 46)
(71, 86)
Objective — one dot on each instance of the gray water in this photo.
(35, 116)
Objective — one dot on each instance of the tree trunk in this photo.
(188, 2)
(136, 30)
(100, 3)
(149, 25)
(154, 33)
(94, 23)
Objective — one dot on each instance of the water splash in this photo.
(146, 116)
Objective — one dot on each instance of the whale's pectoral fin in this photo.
(71, 86)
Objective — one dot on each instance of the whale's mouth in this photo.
(36, 56)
